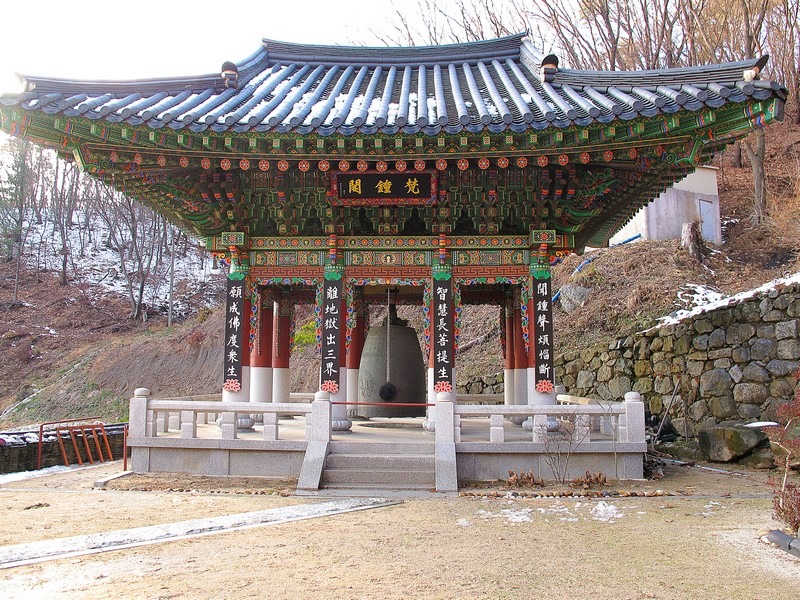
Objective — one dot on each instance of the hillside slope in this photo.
(69, 351)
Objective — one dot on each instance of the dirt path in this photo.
(699, 545)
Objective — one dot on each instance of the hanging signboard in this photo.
(234, 326)
(442, 334)
(332, 324)
(543, 334)
(370, 188)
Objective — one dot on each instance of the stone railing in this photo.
(159, 417)
(577, 424)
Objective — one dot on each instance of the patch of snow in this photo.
(23, 475)
(606, 512)
(464, 523)
(722, 302)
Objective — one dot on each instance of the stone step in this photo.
(380, 477)
(381, 461)
(373, 448)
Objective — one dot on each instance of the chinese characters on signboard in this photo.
(543, 335)
(442, 335)
(234, 326)
(374, 189)
(332, 323)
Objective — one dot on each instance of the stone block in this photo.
(624, 366)
(781, 368)
(766, 331)
(695, 368)
(761, 458)
(684, 427)
(762, 349)
(619, 386)
(604, 393)
(750, 393)
(764, 306)
(722, 317)
(697, 355)
(748, 312)
(773, 316)
(716, 382)
(569, 381)
(722, 407)
(656, 345)
(736, 373)
(725, 444)
(740, 354)
(642, 368)
(739, 333)
(722, 363)
(782, 302)
(719, 353)
(656, 405)
(789, 349)
(698, 411)
(573, 367)
(643, 385)
(682, 344)
(755, 372)
(667, 344)
(663, 385)
(781, 388)
(700, 342)
(749, 411)
(716, 339)
(605, 373)
(703, 326)
(586, 379)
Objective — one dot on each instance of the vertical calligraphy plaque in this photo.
(234, 325)
(333, 321)
(442, 332)
(543, 329)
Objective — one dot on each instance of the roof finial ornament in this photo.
(230, 74)
(549, 68)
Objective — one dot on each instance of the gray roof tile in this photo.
(492, 85)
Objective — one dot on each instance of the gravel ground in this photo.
(701, 542)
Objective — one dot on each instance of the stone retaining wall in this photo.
(729, 365)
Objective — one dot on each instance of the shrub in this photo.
(785, 442)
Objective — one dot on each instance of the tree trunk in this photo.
(736, 155)
(692, 241)
(756, 154)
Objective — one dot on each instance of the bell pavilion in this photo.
(436, 176)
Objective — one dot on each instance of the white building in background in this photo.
(694, 198)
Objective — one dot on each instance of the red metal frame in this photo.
(96, 430)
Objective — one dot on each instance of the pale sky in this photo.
(155, 38)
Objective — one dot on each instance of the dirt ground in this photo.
(701, 542)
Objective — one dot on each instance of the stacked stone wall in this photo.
(729, 365)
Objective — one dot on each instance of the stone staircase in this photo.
(380, 466)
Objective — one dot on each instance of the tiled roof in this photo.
(490, 86)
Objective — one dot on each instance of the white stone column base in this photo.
(429, 424)
(352, 391)
(508, 387)
(520, 392)
(280, 385)
(339, 420)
